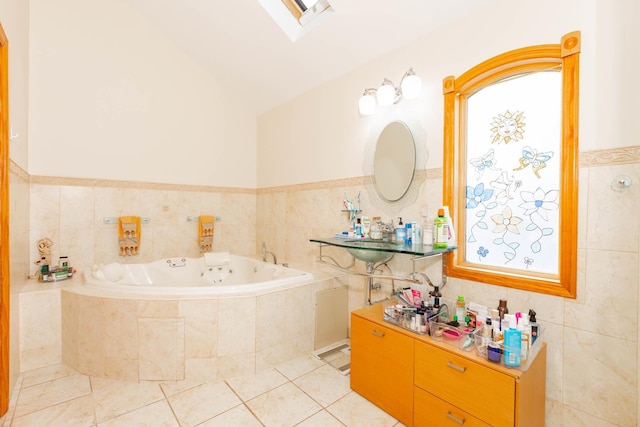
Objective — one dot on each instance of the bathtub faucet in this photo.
(265, 252)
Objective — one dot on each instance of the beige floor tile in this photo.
(72, 413)
(40, 396)
(48, 373)
(155, 415)
(284, 406)
(321, 419)
(250, 386)
(170, 388)
(325, 385)
(298, 367)
(239, 416)
(354, 410)
(113, 397)
(202, 403)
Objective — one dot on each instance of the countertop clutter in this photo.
(426, 381)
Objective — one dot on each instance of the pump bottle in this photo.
(441, 231)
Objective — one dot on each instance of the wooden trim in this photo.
(4, 224)
(293, 8)
(563, 56)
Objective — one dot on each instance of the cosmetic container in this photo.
(502, 308)
(512, 344)
(401, 232)
(376, 229)
(535, 331)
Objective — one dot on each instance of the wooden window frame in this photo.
(564, 56)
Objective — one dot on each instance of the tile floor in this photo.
(305, 392)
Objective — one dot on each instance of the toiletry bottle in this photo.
(512, 343)
(409, 233)
(495, 323)
(452, 234)
(427, 228)
(461, 309)
(525, 329)
(44, 272)
(358, 229)
(376, 229)
(441, 231)
(534, 326)
(401, 232)
(416, 228)
(366, 226)
(502, 308)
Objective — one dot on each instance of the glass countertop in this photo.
(382, 246)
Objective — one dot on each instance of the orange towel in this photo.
(130, 224)
(206, 225)
(205, 233)
(129, 235)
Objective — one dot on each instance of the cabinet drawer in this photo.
(431, 411)
(382, 367)
(484, 393)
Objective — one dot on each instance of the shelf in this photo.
(418, 251)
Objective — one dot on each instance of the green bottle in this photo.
(441, 231)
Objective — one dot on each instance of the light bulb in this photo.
(367, 104)
(411, 86)
(386, 93)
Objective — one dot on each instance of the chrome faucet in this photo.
(265, 252)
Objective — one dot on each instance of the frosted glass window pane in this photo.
(513, 173)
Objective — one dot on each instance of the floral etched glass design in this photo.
(512, 176)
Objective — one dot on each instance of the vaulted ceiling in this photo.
(239, 43)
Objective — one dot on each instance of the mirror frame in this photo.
(564, 57)
(419, 169)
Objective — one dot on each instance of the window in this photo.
(297, 17)
(511, 166)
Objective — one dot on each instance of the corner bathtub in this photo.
(236, 276)
(179, 318)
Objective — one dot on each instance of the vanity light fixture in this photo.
(387, 94)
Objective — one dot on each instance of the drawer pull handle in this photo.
(456, 367)
(454, 418)
(378, 334)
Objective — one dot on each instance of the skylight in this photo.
(305, 4)
(297, 17)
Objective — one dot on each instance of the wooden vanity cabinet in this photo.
(382, 367)
(422, 382)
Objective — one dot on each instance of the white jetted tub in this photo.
(207, 318)
(213, 274)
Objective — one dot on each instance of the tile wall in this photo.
(592, 340)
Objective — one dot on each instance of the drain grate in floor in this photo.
(337, 355)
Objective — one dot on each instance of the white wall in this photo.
(15, 21)
(111, 97)
(324, 124)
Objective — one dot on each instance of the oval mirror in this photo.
(394, 162)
